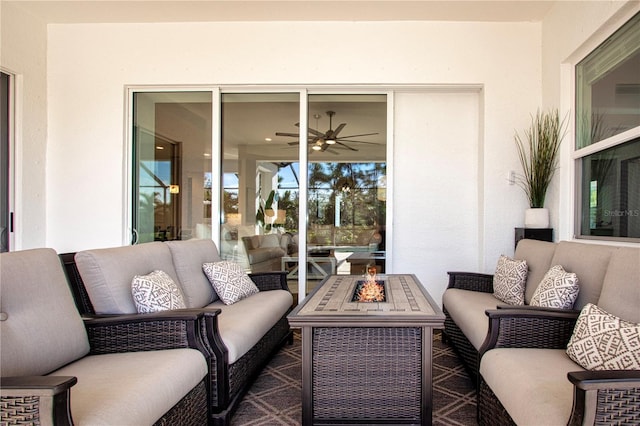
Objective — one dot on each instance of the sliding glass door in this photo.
(308, 206)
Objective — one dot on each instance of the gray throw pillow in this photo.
(603, 341)
(230, 281)
(156, 292)
(509, 280)
(558, 289)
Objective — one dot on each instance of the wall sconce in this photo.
(174, 189)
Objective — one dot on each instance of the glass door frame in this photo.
(128, 236)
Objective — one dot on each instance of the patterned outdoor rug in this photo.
(275, 397)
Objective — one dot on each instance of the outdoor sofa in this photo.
(57, 369)
(519, 354)
(241, 337)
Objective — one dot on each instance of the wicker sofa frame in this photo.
(227, 382)
(46, 400)
(600, 397)
(452, 333)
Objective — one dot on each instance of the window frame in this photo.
(578, 154)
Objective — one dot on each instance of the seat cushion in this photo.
(107, 273)
(538, 255)
(41, 328)
(466, 308)
(243, 324)
(620, 293)
(589, 262)
(133, 388)
(531, 384)
(188, 257)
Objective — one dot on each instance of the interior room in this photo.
(312, 143)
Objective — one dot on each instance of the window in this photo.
(608, 137)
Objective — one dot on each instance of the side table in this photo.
(542, 234)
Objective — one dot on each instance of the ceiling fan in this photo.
(319, 141)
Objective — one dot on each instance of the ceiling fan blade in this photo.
(338, 130)
(346, 146)
(315, 132)
(294, 143)
(293, 135)
(356, 136)
(354, 141)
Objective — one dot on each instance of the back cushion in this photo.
(107, 273)
(188, 258)
(589, 262)
(538, 255)
(41, 328)
(620, 294)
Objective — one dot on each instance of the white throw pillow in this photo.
(156, 292)
(230, 281)
(509, 280)
(602, 341)
(558, 289)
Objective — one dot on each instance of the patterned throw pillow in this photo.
(602, 341)
(509, 280)
(558, 289)
(230, 281)
(156, 292)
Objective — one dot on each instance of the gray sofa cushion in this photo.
(133, 388)
(43, 329)
(538, 255)
(620, 294)
(589, 262)
(107, 273)
(467, 310)
(244, 323)
(188, 258)
(531, 384)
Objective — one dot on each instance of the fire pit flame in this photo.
(369, 290)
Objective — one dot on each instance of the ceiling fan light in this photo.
(316, 147)
(330, 141)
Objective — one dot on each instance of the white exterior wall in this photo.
(23, 53)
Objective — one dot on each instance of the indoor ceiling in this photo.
(82, 11)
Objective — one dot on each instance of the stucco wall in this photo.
(23, 53)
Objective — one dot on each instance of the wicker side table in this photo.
(367, 362)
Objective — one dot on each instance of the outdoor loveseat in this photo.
(241, 337)
(520, 354)
(58, 370)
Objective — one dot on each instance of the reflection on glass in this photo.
(259, 218)
(172, 165)
(611, 192)
(347, 185)
(607, 87)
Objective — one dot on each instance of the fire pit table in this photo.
(367, 362)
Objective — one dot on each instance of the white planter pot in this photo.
(536, 218)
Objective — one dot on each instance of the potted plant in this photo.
(538, 153)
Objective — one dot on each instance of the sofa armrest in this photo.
(270, 280)
(601, 396)
(471, 281)
(37, 399)
(524, 327)
(147, 332)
